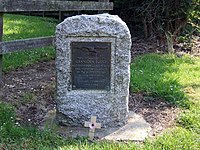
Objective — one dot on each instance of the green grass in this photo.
(22, 27)
(176, 139)
(165, 76)
(13, 136)
(175, 79)
(184, 136)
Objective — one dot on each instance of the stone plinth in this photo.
(93, 70)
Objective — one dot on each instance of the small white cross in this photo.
(92, 125)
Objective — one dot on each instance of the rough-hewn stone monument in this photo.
(93, 70)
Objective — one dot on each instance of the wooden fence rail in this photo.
(52, 5)
(18, 45)
(43, 6)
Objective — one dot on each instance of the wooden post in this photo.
(1, 56)
(60, 16)
(103, 11)
(43, 14)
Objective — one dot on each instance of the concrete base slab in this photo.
(137, 129)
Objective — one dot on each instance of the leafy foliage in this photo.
(159, 16)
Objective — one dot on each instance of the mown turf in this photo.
(176, 139)
(14, 136)
(177, 80)
(165, 76)
(22, 27)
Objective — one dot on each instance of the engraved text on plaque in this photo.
(91, 64)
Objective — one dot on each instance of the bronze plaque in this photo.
(91, 64)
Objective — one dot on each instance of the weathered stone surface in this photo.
(77, 106)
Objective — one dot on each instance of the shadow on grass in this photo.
(159, 76)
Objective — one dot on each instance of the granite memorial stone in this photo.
(93, 70)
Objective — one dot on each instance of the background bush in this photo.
(156, 17)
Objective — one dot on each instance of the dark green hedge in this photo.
(155, 17)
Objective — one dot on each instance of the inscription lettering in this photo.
(91, 62)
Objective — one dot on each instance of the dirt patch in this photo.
(156, 111)
(32, 91)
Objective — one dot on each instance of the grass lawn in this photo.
(175, 79)
(21, 27)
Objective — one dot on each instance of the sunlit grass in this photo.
(165, 76)
(177, 80)
(176, 139)
(22, 27)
